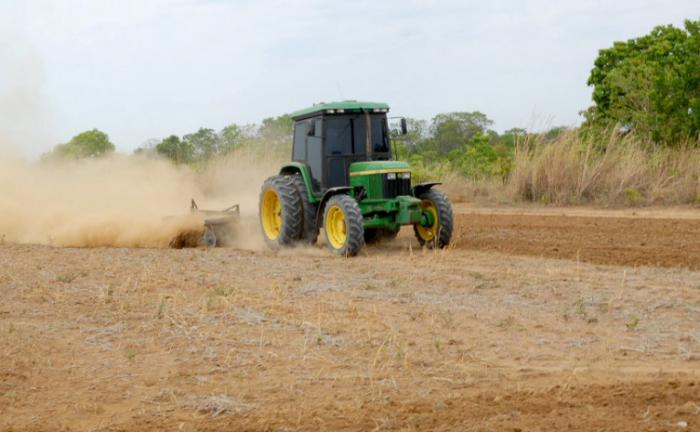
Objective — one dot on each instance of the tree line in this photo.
(464, 140)
(273, 135)
(647, 86)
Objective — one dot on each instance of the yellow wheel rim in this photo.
(271, 214)
(336, 230)
(430, 232)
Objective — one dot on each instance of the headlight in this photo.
(391, 176)
(405, 176)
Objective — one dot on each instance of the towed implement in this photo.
(342, 179)
(217, 227)
(218, 224)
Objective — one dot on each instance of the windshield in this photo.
(347, 135)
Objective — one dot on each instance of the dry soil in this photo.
(530, 322)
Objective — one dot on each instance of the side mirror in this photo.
(404, 126)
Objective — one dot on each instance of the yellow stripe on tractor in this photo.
(381, 171)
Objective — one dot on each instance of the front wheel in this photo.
(435, 228)
(342, 225)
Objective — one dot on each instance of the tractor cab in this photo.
(329, 137)
(342, 179)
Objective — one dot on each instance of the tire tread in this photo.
(445, 219)
(353, 225)
(309, 231)
(291, 210)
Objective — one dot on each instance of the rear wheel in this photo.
(309, 230)
(342, 225)
(280, 212)
(436, 230)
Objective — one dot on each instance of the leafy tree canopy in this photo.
(650, 85)
(276, 131)
(453, 130)
(89, 144)
(204, 143)
(231, 137)
(176, 149)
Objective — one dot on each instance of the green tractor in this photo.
(342, 178)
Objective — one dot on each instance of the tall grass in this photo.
(571, 169)
(622, 170)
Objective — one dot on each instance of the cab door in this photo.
(345, 143)
(338, 150)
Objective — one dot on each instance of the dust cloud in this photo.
(123, 201)
(26, 118)
(237, 179)
(114, 201)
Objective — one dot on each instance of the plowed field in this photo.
(533, 322)
(609, 240)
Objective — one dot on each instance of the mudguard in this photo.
(422, 187)
(326, 196)
(292, 168)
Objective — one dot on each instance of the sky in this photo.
(139, 70)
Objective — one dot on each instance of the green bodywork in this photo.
(377, 211)
(298, 167)
(365, 177)
(347, 106)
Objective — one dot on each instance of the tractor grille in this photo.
(396, 186)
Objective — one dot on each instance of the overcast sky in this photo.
(140, 69)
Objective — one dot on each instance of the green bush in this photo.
(632, 196)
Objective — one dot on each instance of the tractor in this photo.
(343, 179)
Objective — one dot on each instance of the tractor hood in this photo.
(378, 167)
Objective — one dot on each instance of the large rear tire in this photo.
(342, 225)
(439, 233)
(309, 230)
(280, 212)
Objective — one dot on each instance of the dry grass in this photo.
(483, 191)
(623, 171)
(573, 170)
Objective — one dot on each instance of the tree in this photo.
(204, 143)
(506, 143)
(408, 144)
(277, 132)
(650, 85)
(692, 72)
(88, 144)
(554, 133)
(516, 132)
(417, 131)
(454, 130)
(480, 158)
(176, 149)
(230, 138)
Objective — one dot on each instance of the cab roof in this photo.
(346, 106)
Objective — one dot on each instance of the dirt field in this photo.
(535, 322)
(618, 238)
